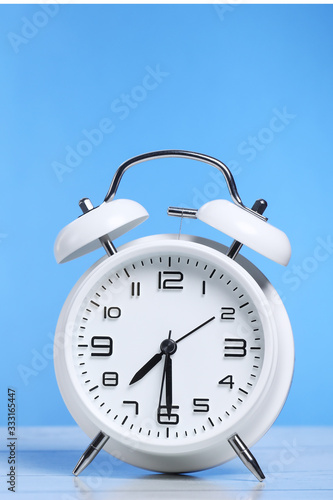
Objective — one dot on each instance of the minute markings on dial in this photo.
(95, 304)
(212, 273)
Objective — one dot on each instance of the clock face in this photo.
(193, 319)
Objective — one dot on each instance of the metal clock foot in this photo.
(90, 453)
(246, 456)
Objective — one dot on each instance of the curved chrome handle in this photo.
(176, 153)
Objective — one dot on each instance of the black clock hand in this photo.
(162, 384)
(157, 357)
(195, 329)
(167, 378)
(146, 368)
(168, 385)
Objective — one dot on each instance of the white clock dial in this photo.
(169, 348)
(125, 317)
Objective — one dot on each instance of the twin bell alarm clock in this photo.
(174, 353)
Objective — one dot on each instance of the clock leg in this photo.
(259, 207)
(90, 453)
(246, 456)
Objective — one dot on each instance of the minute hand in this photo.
(195, 329)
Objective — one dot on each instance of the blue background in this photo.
(222, 73)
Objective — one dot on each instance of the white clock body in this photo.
(231, 375)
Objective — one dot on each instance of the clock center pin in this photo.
(168, 346)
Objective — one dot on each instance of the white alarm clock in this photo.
(173, 353)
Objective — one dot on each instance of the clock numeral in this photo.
(228, 313)
(100, 342)
(110, 379)
(240, 349)
(135, 403)
(167, 284)
(135, 290)
(162, 416)
(200, 405)
(112, 312)
(228, 380)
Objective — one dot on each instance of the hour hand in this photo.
(146, 368)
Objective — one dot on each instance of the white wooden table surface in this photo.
(297, 461)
